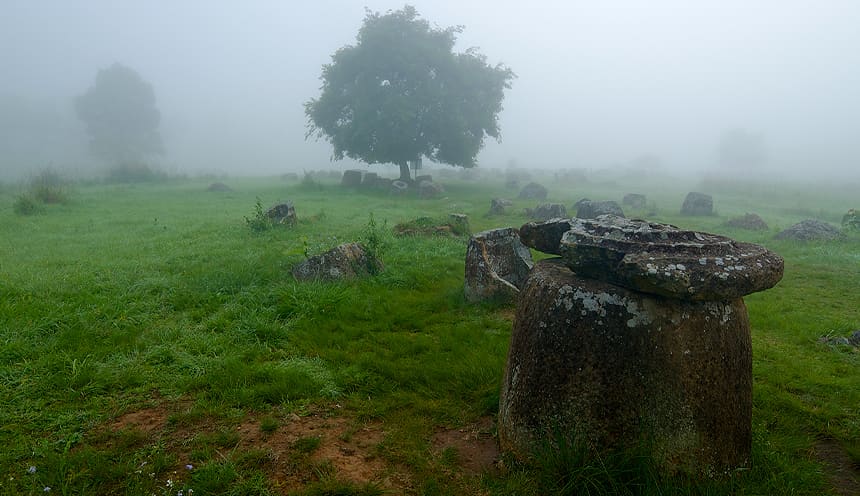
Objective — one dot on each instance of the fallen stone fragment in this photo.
(588, 209)
(498, 205)
(811, 230)
(664, 260)
(352, 178)
(497, 265)
(748, 221)
(347, 261)
(697, 204)
(546, 236)
(533, 191)
(282, 213)
(546, 211)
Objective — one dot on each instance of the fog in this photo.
(599, 84)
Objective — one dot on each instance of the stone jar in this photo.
(616, 367)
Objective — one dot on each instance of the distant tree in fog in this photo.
(740, 149)
(121, 116)
(401, 93)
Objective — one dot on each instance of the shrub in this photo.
(48, 187)
(26, 204)
(259, 221)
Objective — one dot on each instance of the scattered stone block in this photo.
(399, 188)
(587, 209)
(750, 222)
(369, 180)
(497, 265)
(851, 220)
(347, 261)
(546, 211)
(811, 230)
(697, 204)
(459, 223)
(533, 191)
(219, 188)
(498, 205)
(352, 178)
(282, 213)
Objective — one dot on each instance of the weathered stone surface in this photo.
(546, 211)
(282, 213)
(748, 221)
(369, 180)
(546, 236)
(587, 209)
(347, 261)
(429, 189)
(533, 191)
(219, 187)
(399, 188)
(459, 223)
(614, 366)
(851, 220)
(351, 178)
(667, 261)
(498, 205)
(697, 204)
(811, 230)
(634, 200)
(497, 265)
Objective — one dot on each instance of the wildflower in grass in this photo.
(169, 483)
(189, 467)
(47, 489)
(31, 470)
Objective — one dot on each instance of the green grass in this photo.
(161, 296)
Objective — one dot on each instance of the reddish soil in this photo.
(346, 449)
(476, 448)
(843, 473)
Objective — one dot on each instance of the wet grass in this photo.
(127, 297)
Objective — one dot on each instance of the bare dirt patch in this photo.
(148, 420)
(476, 447)
(347, 449)
(842, 472)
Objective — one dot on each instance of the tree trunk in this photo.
(404, 172)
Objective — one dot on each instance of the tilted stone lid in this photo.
(659, 258)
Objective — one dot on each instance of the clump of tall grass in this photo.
(49, 187)
(26, 204)
(259, 221)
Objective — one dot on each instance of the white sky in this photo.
(600, 82)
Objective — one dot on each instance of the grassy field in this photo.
(152, 343)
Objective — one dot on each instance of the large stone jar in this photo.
(624, 356)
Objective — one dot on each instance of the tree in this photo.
(121, 117)
(741, 149)
(401, 93)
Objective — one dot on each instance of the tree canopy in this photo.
(121, 116)
(401, 93)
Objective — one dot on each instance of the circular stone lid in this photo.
(665, 260)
